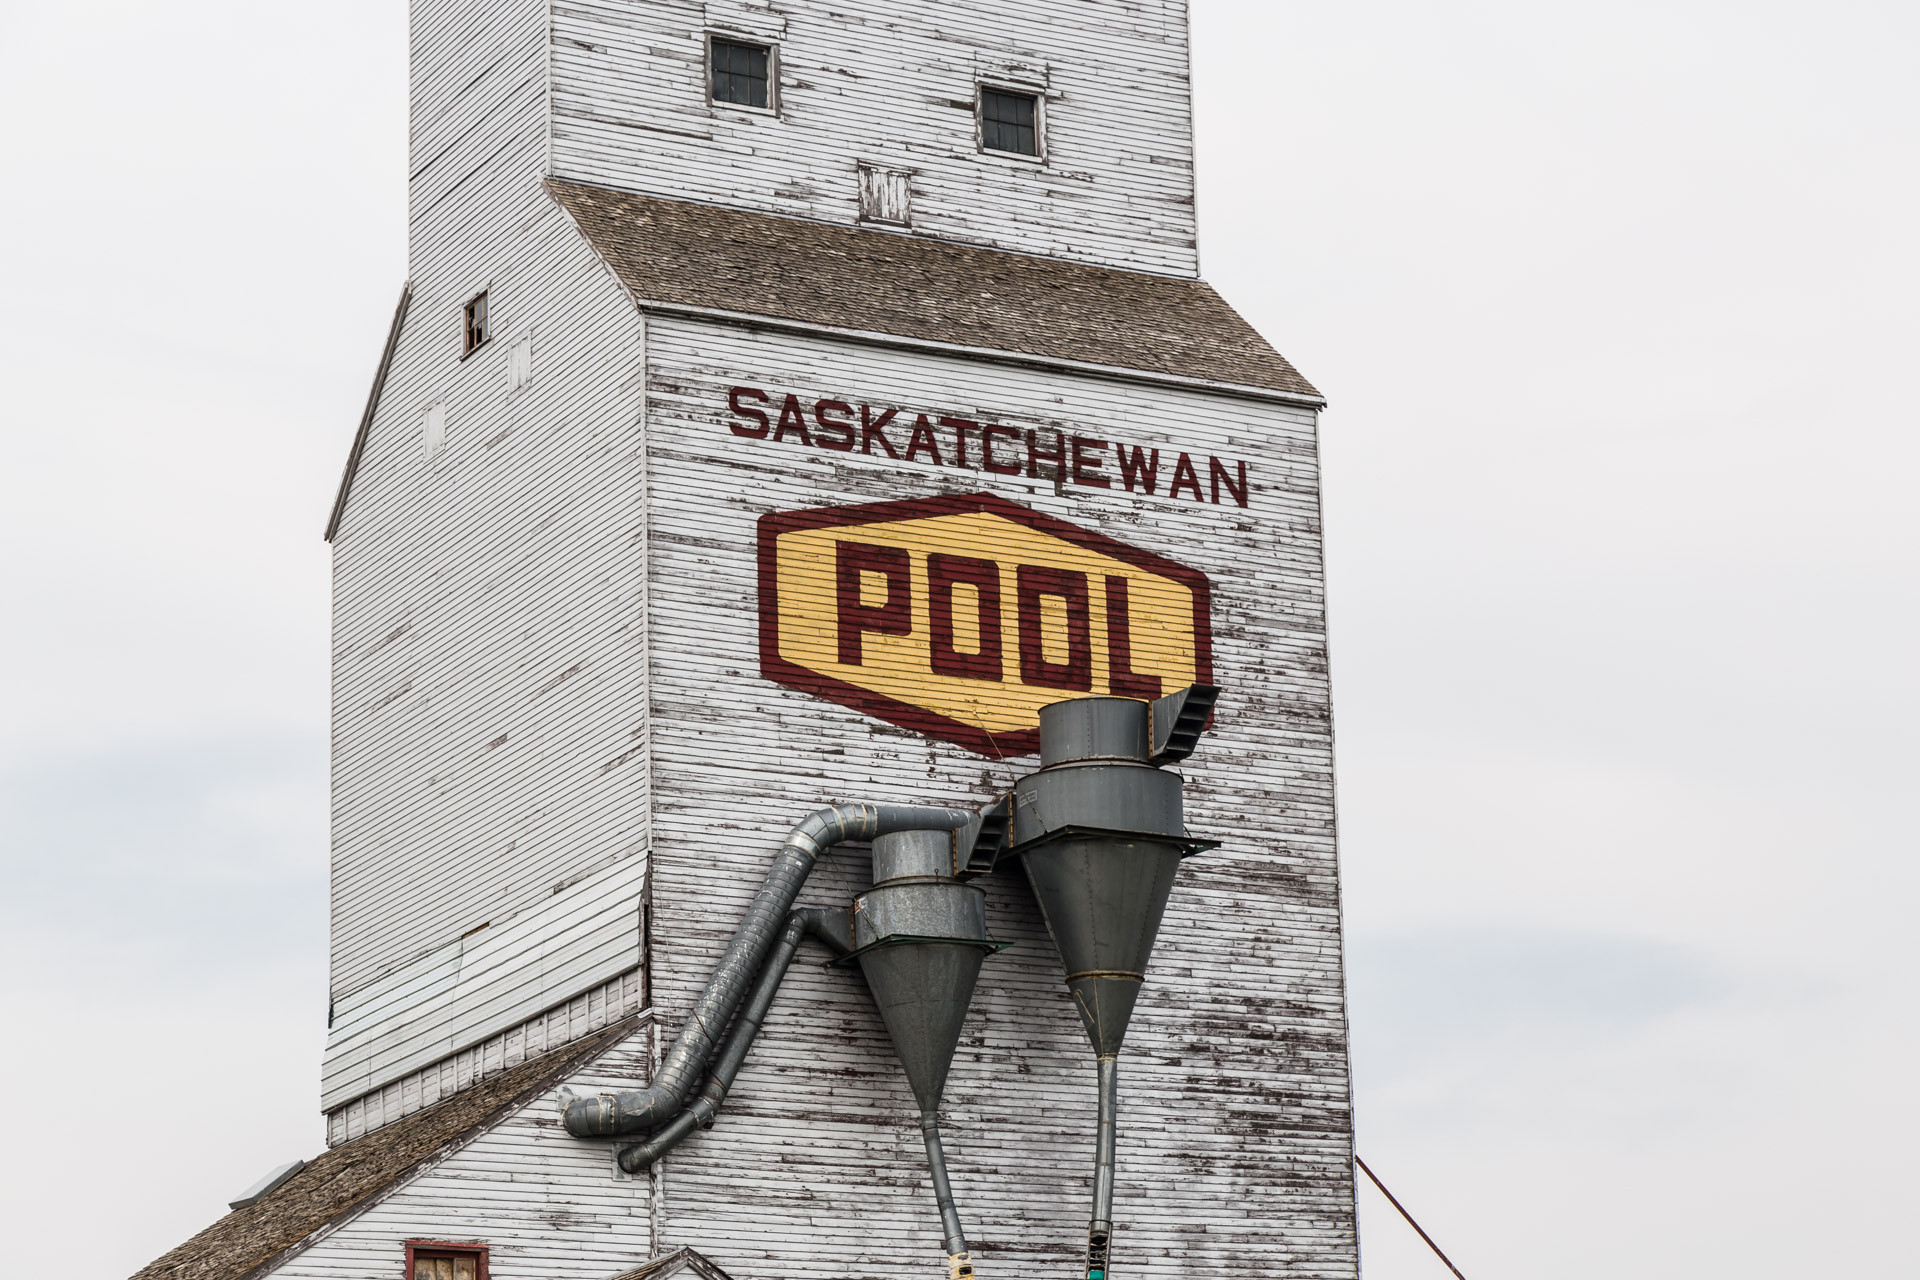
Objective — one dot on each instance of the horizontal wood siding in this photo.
(892, 84)
(489, 719)
(546, 1206)
(578, 1017)
(547, 691)
(465, 991)
(1234, 1144)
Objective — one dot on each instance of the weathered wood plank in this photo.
(546, 671)
(892, 84)
(1236, 1091)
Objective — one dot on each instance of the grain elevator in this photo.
(832, 763)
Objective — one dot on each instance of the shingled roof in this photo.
(336, 1184)
(673, 254)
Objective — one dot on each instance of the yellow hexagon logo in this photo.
(961, 616)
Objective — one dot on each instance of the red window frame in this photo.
(478, 1252)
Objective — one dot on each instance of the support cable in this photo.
(1409, 1217)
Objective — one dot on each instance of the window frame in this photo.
(467, 345)
(1011, 89)
(750, 42)
(479, 1252)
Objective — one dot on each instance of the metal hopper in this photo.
(919, 936)
(1101, 831)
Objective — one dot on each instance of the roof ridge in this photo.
(685, 1258)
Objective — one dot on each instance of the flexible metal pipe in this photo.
(828, 926)
(637, 1109)
(1106, 1140)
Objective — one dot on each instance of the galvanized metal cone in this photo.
(923, 989)
(1103, 898)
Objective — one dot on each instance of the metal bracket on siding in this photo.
(981, 843)
(1178, 720)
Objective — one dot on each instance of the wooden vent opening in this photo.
(438, 1260)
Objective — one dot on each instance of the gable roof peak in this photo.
(685, 1259)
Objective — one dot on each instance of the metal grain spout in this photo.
(1101, 830)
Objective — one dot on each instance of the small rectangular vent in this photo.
(433, 432)
(885, 195)
(519, 364)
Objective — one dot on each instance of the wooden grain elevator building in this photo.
(696, 289)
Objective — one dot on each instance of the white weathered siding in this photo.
(892, 84)
(488, 663)
(547, 694)
(462, 992)
(578, 1017)
(1234, 1144)
(549, 1208)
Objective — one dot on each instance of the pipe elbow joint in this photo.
(832, 928)
(610, 1116)
(820, 830)
(590, 1117)
(824, 828)
(641, 1156)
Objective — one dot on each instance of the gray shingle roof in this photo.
(338, 1182)
(676, 254)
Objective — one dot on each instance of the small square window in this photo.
(740, 73)
(475, 330)
(1010, 121)
(433, 1260)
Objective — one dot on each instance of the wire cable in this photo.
(1403, 1213)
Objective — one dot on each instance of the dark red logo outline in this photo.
(918, 719)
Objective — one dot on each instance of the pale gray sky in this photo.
(1615, 308)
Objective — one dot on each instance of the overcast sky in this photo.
(1615, 305)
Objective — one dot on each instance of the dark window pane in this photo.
(740, 73)
(1008, 122)
(476, 324)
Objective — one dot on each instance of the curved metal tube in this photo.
(828, 926)
(637, 1109)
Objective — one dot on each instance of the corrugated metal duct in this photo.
(640, 1109)
(919, 937)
